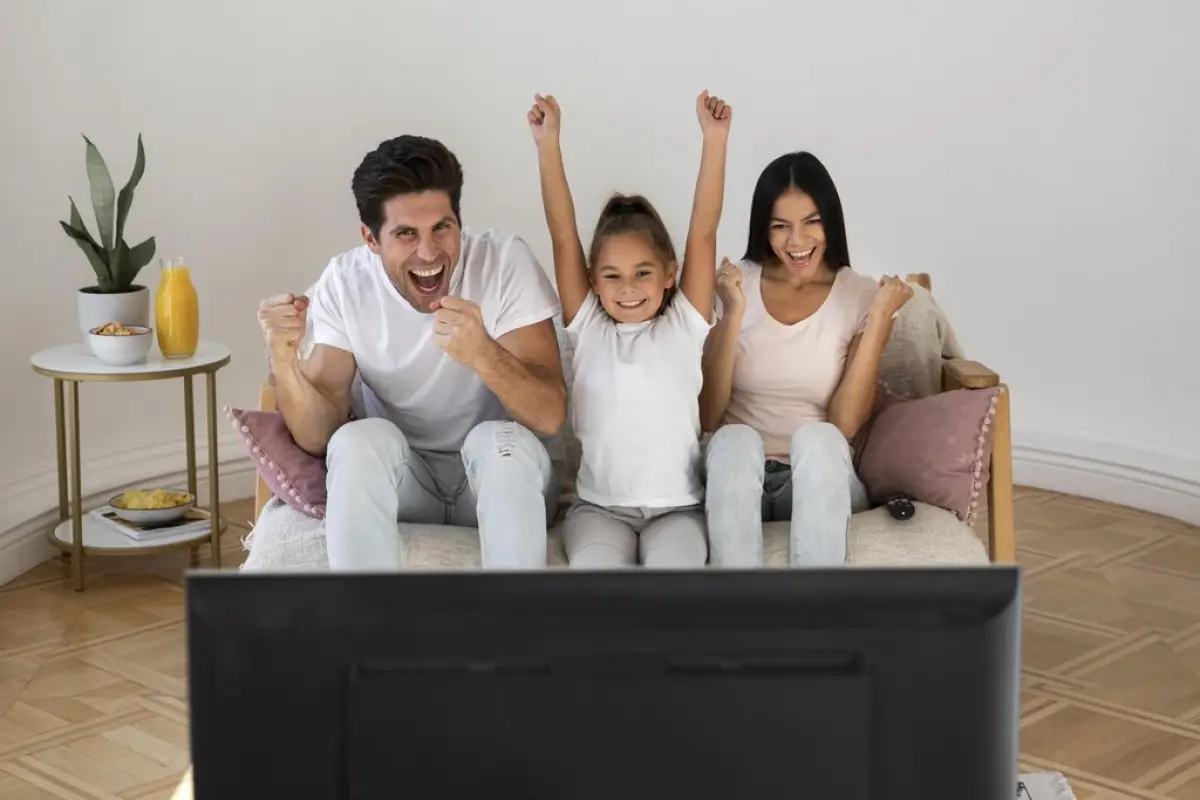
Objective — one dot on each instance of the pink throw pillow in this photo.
(937, 449)
(296, 476)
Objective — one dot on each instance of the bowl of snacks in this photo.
(150, 507)
(120, 345)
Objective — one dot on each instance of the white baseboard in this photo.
(29, 507)
(1155, 479)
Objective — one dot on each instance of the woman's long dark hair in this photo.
(805, 172)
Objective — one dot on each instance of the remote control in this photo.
(900, 507)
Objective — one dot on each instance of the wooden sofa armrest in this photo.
(262, 492)
(921, 279)
(959, 373)
(266, 396)
(1002, 542)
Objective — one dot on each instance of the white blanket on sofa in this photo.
(285, 539)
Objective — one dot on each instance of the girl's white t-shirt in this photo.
(635, 391)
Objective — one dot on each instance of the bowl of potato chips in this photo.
(151, 507)
(120, 345)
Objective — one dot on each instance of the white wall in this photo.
(1039, 158)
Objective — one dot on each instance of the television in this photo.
(847, 683)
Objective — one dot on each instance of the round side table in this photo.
(73, 364)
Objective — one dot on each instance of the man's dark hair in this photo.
(404, 165)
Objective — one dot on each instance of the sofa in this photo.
(922, 359)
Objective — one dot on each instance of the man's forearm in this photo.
(309, 415)
(533, 396)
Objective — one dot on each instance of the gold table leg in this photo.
(214, 477)
(60, 451)
(76, 489)
(60, 442)
(189, 427)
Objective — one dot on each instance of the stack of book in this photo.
(193, 522)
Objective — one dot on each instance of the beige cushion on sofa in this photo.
(911, 364)
(285, 539)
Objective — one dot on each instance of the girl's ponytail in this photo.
(632, 214)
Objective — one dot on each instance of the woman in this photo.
(790, 372)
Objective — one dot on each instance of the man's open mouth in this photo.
(428, 281)
(631, 304)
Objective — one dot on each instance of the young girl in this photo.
(637, 347)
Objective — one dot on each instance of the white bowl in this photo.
(149, 517)
(122, 351)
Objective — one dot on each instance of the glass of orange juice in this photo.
(177, 311)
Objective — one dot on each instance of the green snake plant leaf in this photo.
(78, 225)
(125, 198)
(103, 194)
(93, 253)
(77, 220)
(116, 267)
(136, 257)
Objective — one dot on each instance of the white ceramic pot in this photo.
(127, 308)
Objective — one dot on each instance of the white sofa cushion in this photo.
(284, 539)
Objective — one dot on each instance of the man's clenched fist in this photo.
(283, 319)
(458, 329)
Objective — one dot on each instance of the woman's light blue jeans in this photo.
(818, 493)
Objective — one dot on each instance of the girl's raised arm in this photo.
(700, 255)
(570, 265)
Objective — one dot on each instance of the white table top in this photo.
(76, 362)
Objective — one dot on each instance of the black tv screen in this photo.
(849, 683)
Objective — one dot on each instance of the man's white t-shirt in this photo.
(406, 377)
(635, 405)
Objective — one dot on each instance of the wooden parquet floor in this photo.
(93, 686)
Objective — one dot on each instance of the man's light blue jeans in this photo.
(501, 482)
(818, 493)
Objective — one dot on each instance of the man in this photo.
(452, 334)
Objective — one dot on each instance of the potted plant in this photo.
(114, 297)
